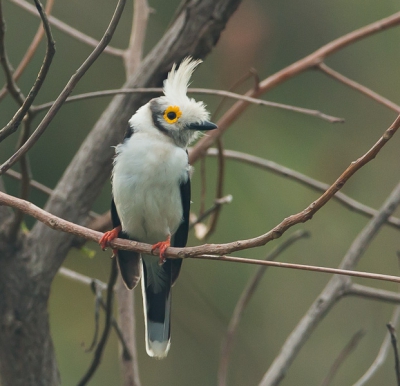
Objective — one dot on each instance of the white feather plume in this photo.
(177, 82)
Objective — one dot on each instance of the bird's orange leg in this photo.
(110, 236)
(162, 246)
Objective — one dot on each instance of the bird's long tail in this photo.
(156, 290)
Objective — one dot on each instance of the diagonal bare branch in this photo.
(359, 87)
(289, 72)
(67, 89)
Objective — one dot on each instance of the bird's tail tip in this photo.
(156, 349)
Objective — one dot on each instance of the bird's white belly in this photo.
(146, 179)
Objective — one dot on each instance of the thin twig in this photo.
(343, 355)
(222, 93)
(108, 322)
(251, 286)
(303, 179)
(287, 73)
(76, 34)
(393, 339)
(359, 87)
(14, 123)
(68, 88)
(382, 354)
(30, 51)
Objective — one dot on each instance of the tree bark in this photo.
(28, 266)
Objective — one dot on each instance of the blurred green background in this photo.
(265, 35)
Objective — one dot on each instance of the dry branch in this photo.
(287, 73)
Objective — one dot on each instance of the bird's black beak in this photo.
(205, 125)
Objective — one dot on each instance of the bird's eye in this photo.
(172, 114)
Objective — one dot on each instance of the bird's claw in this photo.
(109, 236)
(162, 247)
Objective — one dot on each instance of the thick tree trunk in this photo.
(27, 269)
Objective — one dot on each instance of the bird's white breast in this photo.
(147, 172)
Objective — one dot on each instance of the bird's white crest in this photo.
(177, 82)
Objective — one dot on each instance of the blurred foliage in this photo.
(265, 35)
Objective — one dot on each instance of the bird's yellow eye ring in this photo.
(172, 114)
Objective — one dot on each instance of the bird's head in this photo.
(175, 114)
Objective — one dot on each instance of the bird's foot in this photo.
(162, 246)
(110, 236)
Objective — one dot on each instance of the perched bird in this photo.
(151, 196)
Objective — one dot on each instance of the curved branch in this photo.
(60, 224)
(222, 93)
(285, 74)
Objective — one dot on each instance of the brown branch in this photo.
(57, 223)
(287, 73)
(67, 89)
(303, 179)
(76, 34)
(30, 51)
(222, 93)
(382, 354)
(359, 87)
(13, 125)
(346, 351)
(251, 286)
